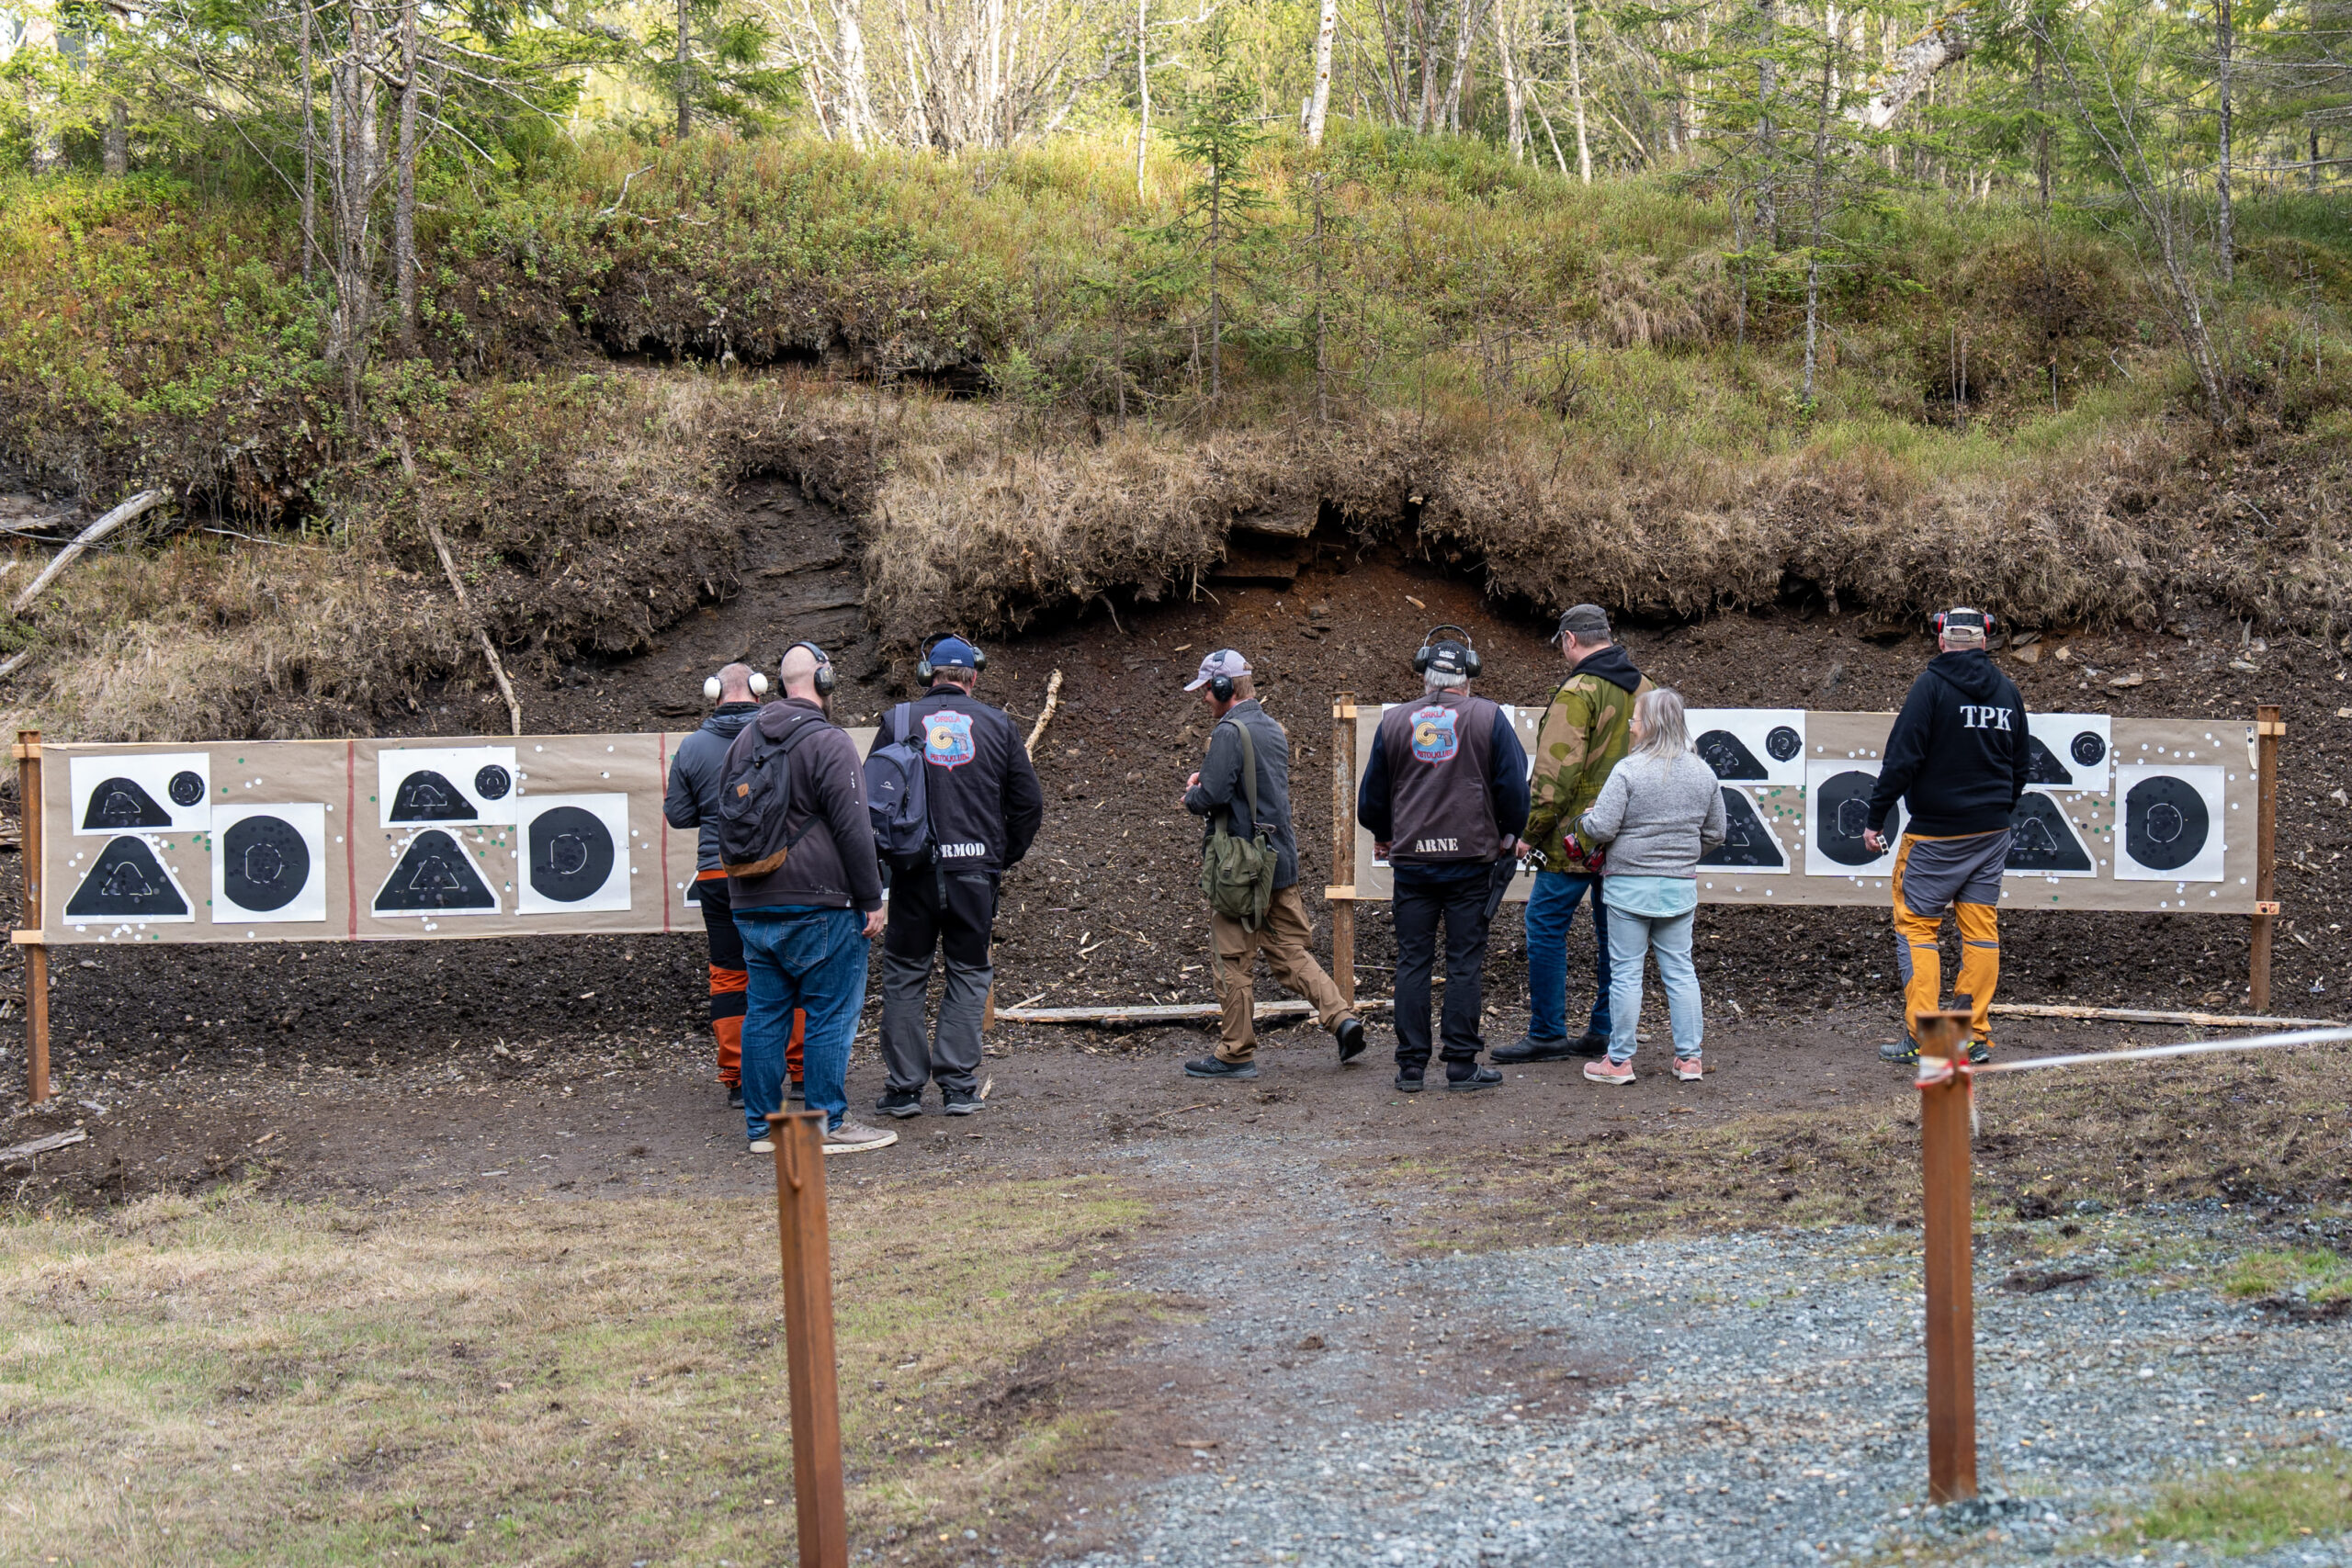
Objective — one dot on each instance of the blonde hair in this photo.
(1664, 734)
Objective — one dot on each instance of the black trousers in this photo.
(956, 926)
(1462, 905)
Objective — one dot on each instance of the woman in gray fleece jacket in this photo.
(1659, 811)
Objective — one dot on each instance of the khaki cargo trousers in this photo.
(1283, 938)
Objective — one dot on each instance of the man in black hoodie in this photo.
(1957, 759)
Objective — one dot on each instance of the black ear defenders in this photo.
(711, 688)
(825, 676)
(1470, 662)
(1221, 688)
(1981, 619)
(923, 670)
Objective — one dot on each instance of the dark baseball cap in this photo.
(1448, 658)
(1590, 623)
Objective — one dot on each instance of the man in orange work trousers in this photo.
(1957, 758)
(693, 802)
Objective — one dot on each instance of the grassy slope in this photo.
(1557, 378)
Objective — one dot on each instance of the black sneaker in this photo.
(1477, 1078)
(959, 1101)
(1902, 1052)
(795, 1092)
(1528, 1048)
(1408, 1081)
(734, 1096)
(1979, 1052)
(900, 1103)
(1349, 1035)
(1592, 1043)
(1218, 1067)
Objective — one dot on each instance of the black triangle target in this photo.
(127, 883)
(121, 805)
(1729, 756)
(1747, 841)
(426, 796)
(2039, 839)
(435, 873)
(2042, 766)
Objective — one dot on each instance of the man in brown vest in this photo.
(1445, 799)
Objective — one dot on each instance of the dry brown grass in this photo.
(591, 1382)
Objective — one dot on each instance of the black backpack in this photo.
(756, 798)
(897, 790)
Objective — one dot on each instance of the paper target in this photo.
(130, 882)
(2069, 750)
(2042, 842)
(1749, 844)
(1838, 809)
(167, 792)
(1750, 745)
(269, 863)
(432, 876)
(575, 853)
(454, 787)
(2172, 823)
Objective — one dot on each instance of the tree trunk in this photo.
(1426, 109)
(404, 189)
(1324, 34)
(685, 73)
(310, 155)
(1575, 91)
(1143, 87)
(1768, 145)
(2225, 46)
(1472, 11)
(1549, 134)
(2041, 126)
(1322, 362)
(848, 47)
(1514, 94)
(1216, 318)
(118, 140)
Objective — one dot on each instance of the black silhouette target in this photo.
(121, 804)
(1783, 743)
(427, 795)
(2088, 749)
(265, 864)
(492, 782)
(187, 787)
(1841, 809)
(127, 883)
(572, 854)
(1746, 842)
(1728, 755)
(2165, 823)
(2042, 766)
(2039, 839)
(435, 873)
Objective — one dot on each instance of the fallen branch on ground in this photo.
(1165, 1012)
(1046, 716)
(136, 506)
(42, 1145)
(2136, 1015)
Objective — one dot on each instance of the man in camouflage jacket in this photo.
(1585, 735)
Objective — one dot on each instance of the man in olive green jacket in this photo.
(1584, 734)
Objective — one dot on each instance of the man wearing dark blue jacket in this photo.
(1957, 759)
(1445, 800)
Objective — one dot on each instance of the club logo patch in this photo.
(947, 739)
(1434, 740)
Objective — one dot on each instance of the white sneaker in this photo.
(855, 1137)
(763, 1146)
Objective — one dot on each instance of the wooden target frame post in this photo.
(1946, 1094)
(1341, 896)
(28, 934)
(810, 1362)
(2268, 731)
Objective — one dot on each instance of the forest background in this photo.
(1679, 306)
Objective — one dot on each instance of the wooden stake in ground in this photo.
(2267, 732)
(799, 1138)
(1944, 1098)
(458, 586)
(29, 801)
(1341, 895)
(136, 506)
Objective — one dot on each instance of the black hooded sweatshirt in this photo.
(1958, 754)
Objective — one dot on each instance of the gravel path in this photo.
(1755, 1400)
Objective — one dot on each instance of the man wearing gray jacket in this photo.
(693, 802)
(1225, 684)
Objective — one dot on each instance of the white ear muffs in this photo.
(759, 684)
(710, 690)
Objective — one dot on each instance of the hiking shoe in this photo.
(900, 1103)
(734, 1096)
(1592, 1043)
(1528, 1048)
(855, 1137)
(1606, 1071)
(1690, 1069)
(1218, 1067)
(1903, 1052)
(959, 1101)
(1979, 1052)
(1409, 1080)
(1477, 1078)
(763, 1146)
(1349, 1035)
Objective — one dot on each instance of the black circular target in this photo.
(1783, 743)
(2088, 747)
(1842, 805)
(493, 783)
(265, 863)
(2165, 823)
(185, 789)
(571, 853)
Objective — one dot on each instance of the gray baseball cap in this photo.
(1225, 661)
(1588, 622)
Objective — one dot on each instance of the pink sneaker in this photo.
(1690, 1069)
(1606, 1071)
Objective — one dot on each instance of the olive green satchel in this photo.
(1238, 874)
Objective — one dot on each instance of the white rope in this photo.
(1941, 1070)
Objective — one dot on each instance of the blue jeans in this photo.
(812, 959)
(1631, 938)
(1551, 911)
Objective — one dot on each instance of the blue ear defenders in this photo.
(826, 680)
(923, 670)
(1470, 662)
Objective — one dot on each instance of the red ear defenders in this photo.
(923, 670)
(826, 679)
(1981, 619)
(1471, 661)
